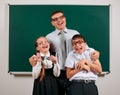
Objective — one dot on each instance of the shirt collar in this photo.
(58, 31)
(47, 55)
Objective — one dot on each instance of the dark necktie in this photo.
(43, 58)
(63, 46)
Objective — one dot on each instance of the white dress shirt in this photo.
(54, 38)
(73, 59)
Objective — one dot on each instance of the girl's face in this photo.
(42, 45)
(79, 45)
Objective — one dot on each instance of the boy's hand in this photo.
(79, 65)
(87, 68)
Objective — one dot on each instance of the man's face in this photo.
(58, 21)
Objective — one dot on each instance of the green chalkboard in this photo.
(27, 22)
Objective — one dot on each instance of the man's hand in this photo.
(95, 55)
(33, 60)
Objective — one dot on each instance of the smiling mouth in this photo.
(79, 48)
(45, 46)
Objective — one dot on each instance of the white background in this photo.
(23, 85)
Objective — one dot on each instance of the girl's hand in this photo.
(53, 59)
(38, 57)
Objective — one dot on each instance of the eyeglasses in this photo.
(78, 42)
(56, 19)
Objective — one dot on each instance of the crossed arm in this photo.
(84, 64)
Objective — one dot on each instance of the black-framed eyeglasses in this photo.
(78, 42)
(56, 19)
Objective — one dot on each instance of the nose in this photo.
(44, 43)
(59, 19)
(77, 44)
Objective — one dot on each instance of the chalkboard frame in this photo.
(21, 21)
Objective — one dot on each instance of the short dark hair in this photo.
(78, 36)
(57, 11)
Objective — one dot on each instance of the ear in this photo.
(65, 18)
(37, 48)
(52, 23)
(73, 46)
(86, 45)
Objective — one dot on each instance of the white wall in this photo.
(22, 85)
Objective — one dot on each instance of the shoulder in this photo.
(90, 49)
(70, 60)
(50, 34)
(71, 54)
(73, 31)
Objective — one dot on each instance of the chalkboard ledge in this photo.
(30, 73)
(20, 73)
(103, 74)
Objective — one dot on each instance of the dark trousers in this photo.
(62, 83)
(81, 88)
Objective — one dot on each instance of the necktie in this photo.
(63, 46)
(43, 58)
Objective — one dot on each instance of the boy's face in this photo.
(79, 45)
(43, 45)
(59, 21)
